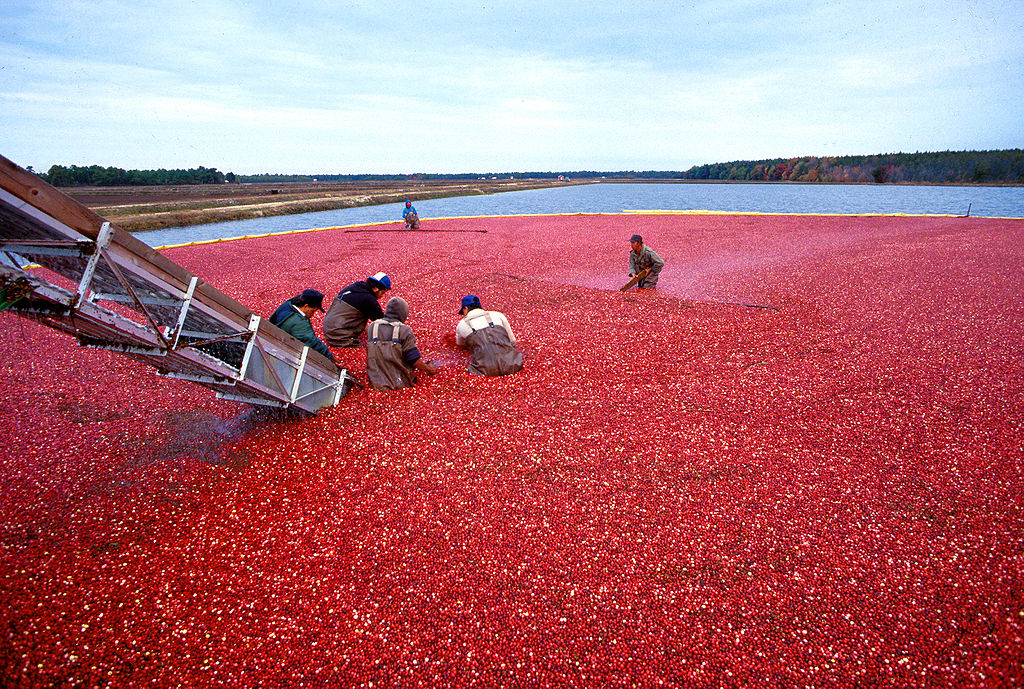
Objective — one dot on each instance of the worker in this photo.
(353, 308)
(392, 358)
(411, 217)
(489, 338)
(295, 318)
(643, 258)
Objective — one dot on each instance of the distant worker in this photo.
(294, 317)
(392, 358)
(643, 258)
(411, 217)
(489, 338)
(352, 308)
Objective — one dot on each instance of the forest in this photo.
(98, 176)
(947, 167)
(944, 167)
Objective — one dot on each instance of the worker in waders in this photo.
(352, 308)
(392, 357)
(411, 217)
(489, 338)
(643, 258)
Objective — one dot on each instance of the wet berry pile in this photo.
(798, 462)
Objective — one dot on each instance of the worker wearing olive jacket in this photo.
(489, 338)
(643, 258)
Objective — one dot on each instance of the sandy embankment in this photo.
(149, 208)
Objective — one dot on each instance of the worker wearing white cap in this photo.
(352, 308)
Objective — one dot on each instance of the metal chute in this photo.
(110, 290)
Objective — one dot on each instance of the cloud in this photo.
(436, 86)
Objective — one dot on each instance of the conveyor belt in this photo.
(110, 290)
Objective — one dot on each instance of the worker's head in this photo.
(397, 309)
(379, 284)
(310, 301)
(469, 302)
(637, 242)
(408, 204)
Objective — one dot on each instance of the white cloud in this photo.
(432, 86)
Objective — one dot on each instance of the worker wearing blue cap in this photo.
(353, 308)
(489, 338)
(411, 217)
(295, 318)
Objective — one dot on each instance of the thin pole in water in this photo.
(968, 211)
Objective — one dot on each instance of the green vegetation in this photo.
(97, 176)
(945, 167)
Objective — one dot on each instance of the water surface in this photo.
(616, 198)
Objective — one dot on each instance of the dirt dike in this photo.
(152, 208)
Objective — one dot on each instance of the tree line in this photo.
(943, 167)
(99, 176)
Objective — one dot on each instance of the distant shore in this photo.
(158, 207)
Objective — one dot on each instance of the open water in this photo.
(616, 198)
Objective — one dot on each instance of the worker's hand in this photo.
(430, 367)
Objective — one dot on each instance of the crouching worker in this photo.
(392, 358)
(644, 258)
(352, 308)
(294, 317)
(412, 218)
(489, 338)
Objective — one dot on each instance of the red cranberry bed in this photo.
(797, 462)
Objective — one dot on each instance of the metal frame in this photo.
(158, 312)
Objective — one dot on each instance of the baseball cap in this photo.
(313, 298)
(381, 279)
(470, 300)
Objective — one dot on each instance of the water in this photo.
(615, 198)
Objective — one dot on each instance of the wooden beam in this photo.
(42, 196)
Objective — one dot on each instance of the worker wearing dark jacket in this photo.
(294, 316)
(392, 357)
(352, 308)
(489, 338)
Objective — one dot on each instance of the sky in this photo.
(374, 86)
